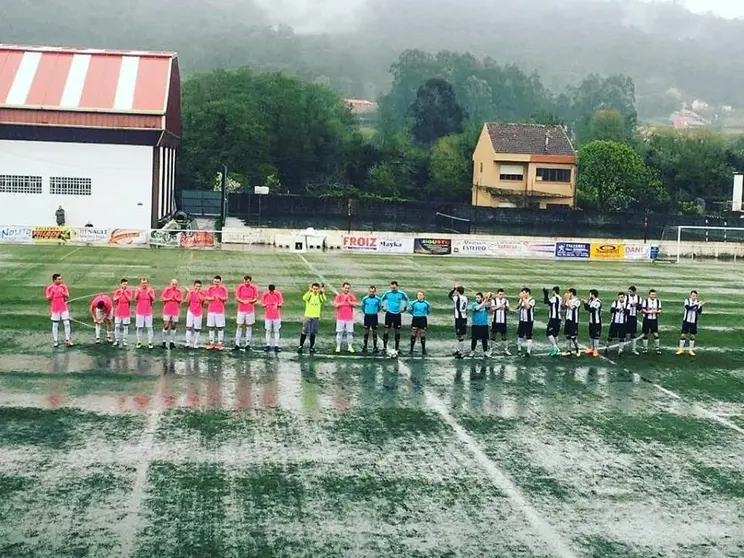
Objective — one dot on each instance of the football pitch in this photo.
(154, 453)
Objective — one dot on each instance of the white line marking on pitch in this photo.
(71, 253)
(130, 523)
(497, 476)
(699, 408)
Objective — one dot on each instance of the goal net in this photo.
(690, 243)
(451, 224)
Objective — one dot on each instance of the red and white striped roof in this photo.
(84, 80)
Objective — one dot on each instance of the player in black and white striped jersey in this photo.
(526, 308)
(460, 307)
(571, 326)
(500, 310)
(554, 303)
(635, 304)
(651, 309)
(594, 307)
(618, 323)
(693, 309)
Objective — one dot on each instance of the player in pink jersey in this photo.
(272, 301)
(172, 298)
(195, 299)
(123, 297)
(144, 297)
(58, 294)
(247, 295)
(217, 295)
(102, 313)
(345, 302)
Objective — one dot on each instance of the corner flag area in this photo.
(192, 453)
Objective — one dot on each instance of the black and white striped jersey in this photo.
(572, 310)
(554, 307)
(527, 310)
(652, 306)
(634, 303)
(619, 312)
(692, 311)
(594, 307)
(500, 308)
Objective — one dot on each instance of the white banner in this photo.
(15, 234)
(239, 236)
(379, 244)
(637, 251)
(90, 235)
(503, 248)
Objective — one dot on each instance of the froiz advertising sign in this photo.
(361, 243)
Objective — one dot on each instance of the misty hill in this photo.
(660, 45)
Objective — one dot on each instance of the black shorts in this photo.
(595, 331)
(479, 332)
(631, 328)
(650, 326)
(461, 326)
(554, 327)
(690, 328)
(498, 329)
(419, 322)
(524, 329)
(371, 321)
(392, 321)
(617, 330)
(571, 329)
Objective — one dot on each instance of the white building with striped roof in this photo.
(93, 131)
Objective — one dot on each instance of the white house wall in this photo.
(121, 183)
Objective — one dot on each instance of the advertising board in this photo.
(127, 237)
(503, 248)
(51, 235)
(607, 251)
(637, 251)
(572, 249)
(15, 234)
(197, 239)
(432, 246)
(378, 244)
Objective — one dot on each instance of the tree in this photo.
(613, 177)
(451, 166)
(608, 125)
(435, 112)
(596, 93)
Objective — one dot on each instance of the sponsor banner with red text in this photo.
(637, 252)
(128, 237)
(51, 235)
(375, 243)
(197, 239)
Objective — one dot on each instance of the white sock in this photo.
(188, 337)
(197, 334)
(339, 339)
(529, 345)
(165, 335)
(220, 335)
(349, 339)
(551, 338)
(657, 342)
(248, 335)
(211, 336)
(268, 338)
(276, 338)
(139, 335)
(150, 335)
(692, 344)
(633, 343)
(682, 343)
(68, 330)
(238, 336)
(124, 333)
(55, 331)
(98, 331)
(645, 343)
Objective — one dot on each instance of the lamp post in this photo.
(223, 199)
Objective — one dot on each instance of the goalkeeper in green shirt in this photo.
(314, 299)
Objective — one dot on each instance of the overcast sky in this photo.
(725, 8)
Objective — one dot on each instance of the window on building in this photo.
(554, 175)
(13, 184)
(69, 186)
(511, 172)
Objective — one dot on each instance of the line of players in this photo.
(114, 314)
(564, 310)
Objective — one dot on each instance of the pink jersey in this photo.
(195, 300)
(345, 308)
(246, 292)
(220, 294)
(171, 298)
(271, 301)
(123, 297)
(57, 296)
(108, 305)
(144, 297)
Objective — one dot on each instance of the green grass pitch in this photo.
(191, 454)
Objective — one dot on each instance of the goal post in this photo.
(708, 243)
